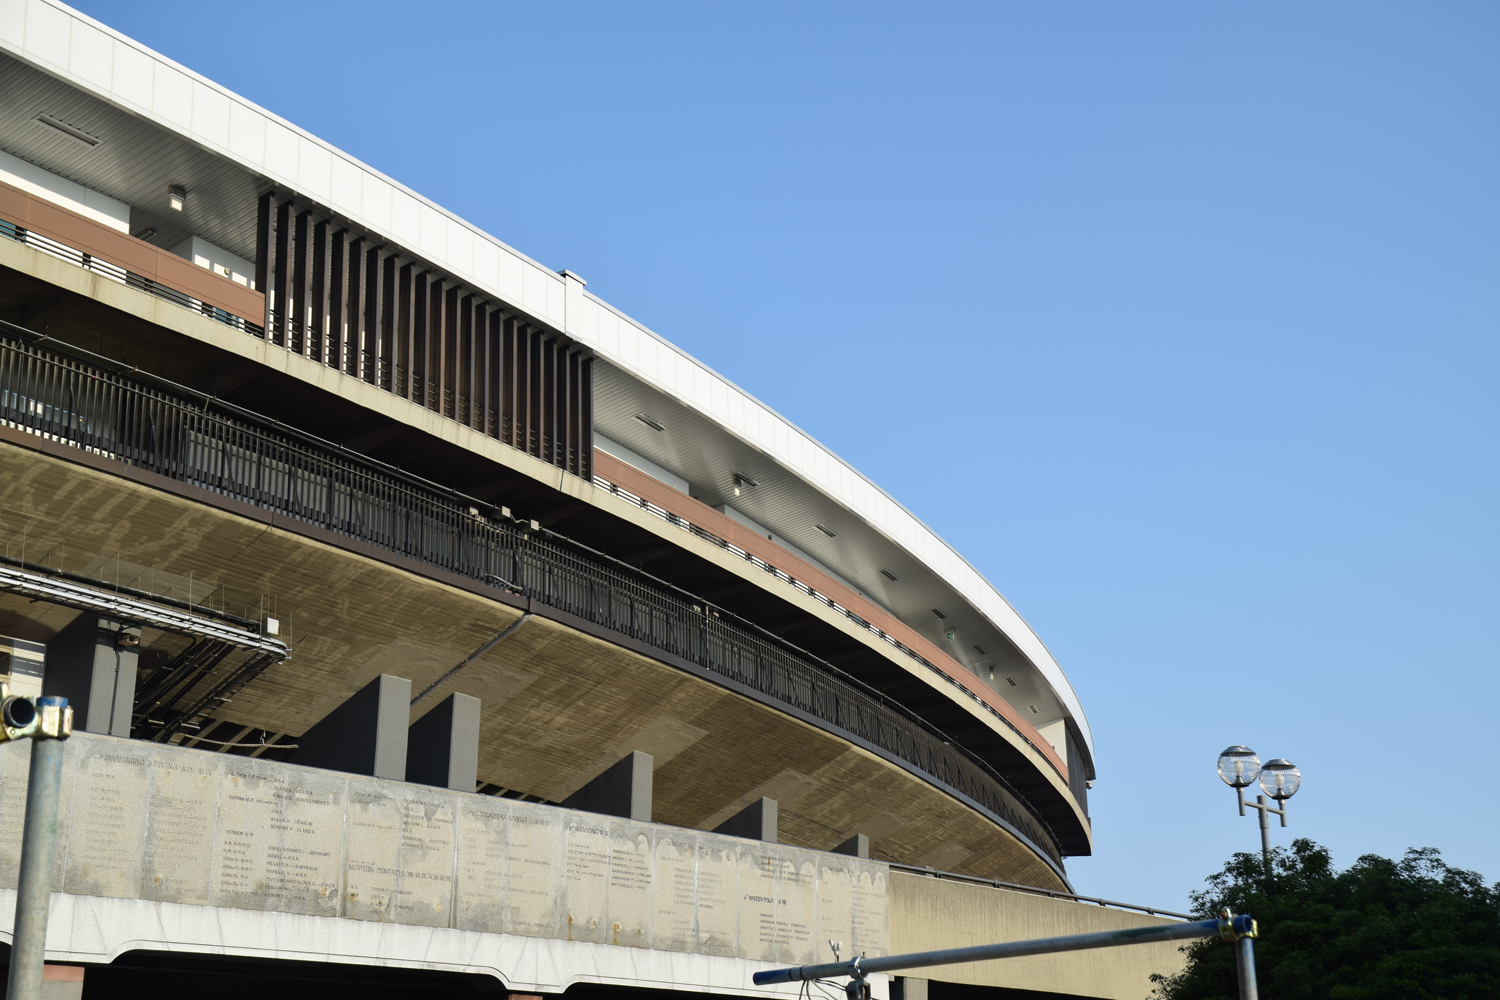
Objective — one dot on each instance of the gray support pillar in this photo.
(92, 663)
(857, 846)
(364, 735)
(442, 747)
(624, 789)
(757, 821)
(906, 988)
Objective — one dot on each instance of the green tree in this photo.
(1413, 929)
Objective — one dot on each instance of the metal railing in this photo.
(204, 443)
(12, 231)
(780, 574)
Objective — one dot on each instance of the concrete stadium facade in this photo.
(309, 484)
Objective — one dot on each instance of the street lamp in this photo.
(1279, 778)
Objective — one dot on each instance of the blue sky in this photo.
(1180, 321)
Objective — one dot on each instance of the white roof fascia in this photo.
(99, 60)
(654, 360)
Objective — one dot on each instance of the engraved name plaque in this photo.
(144, 821)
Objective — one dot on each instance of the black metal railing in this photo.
(12, 231)
(61, 397)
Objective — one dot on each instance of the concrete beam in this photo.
(365, 735)
(442, 747)
(856, 846)
(757, 821)
(624, 789)
(92, 663)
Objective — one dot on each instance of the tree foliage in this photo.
(1413, 929)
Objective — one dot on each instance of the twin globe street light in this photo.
(1279, 778)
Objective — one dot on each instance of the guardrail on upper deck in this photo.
(119, 257)
(233, 453)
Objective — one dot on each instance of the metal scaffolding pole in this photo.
(1237, 929)
(48, 722)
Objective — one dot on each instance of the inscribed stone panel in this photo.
(280, 838)
(675, 903)
(718, 906)
(534, 863)
(178, 850)
(15, 767)
(424, 887)
(483, 870)
(372, 850)
(110, 785)
(630, 882)
(870, 904)
(759, 905)
(835, 904)
(797, 904)
(15, 778)
(585, 878)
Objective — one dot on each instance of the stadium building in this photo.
(430, 623)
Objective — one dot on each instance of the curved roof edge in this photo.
(99, 60)
(638, 350)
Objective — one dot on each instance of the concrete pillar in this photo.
(857, 846)
(92, 663)
(364, 735)
(906, 988)
(442, 747)
(757, 821)
(624, 789)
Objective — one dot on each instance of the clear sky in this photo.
(1180, 321)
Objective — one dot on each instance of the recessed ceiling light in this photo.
(938, 613)
(979, 650)
(650, 421)
(1011, 681)
(71, 131)
(1033, 710)
(888, 575)
(825, 529)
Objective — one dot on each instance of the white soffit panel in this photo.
(87, 202)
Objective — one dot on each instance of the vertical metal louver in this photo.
(341, 299)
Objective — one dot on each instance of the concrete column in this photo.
(624, 789)
(92, 663)
(906, 988)
(442, 747)
(757, 821)
(857, 846)
(364, 735)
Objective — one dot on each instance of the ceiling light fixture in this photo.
(650, 421)
(825, 529)
(1034, 710)
(888, 575)
(979, 650)
(71, 131)
(742, 480)
(1011, 681)
(176, 197)
(939, 614)
(145, 234)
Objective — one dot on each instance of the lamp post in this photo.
(1279, 778)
